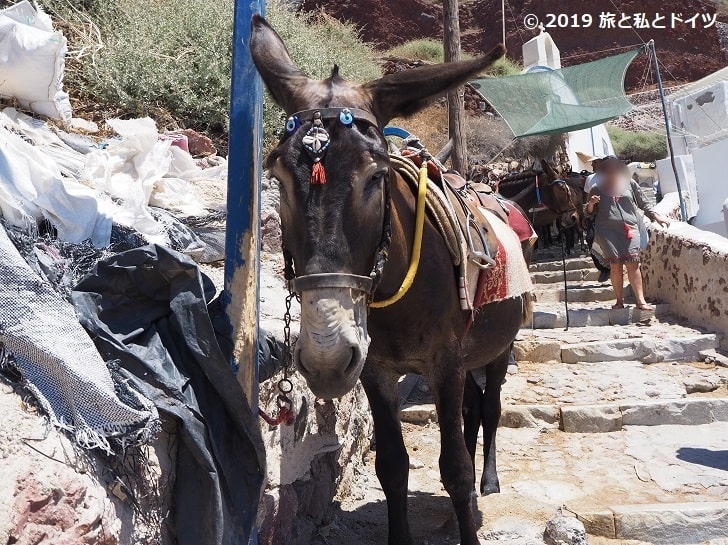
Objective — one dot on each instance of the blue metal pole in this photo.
(242, 236)
(242, 240)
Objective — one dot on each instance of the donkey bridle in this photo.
(356, 282)
(561, 181)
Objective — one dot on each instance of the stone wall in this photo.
(688, 268)
(310, 462)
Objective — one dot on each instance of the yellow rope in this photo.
(416, 246)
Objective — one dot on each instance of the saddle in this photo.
(475, 225)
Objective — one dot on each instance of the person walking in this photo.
(591, 181)
(619, 229)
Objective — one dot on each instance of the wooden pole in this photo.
(455, 99)
(503, 14)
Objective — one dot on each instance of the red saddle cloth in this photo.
(518, 222)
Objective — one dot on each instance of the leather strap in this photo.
(333, 113)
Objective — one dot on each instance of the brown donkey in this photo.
(340, 201)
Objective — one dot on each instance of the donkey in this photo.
(563, 199)
(566, 198)
(337, 209)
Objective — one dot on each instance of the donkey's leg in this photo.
(392, 462)
(472, 400)
(456, 467)
(491, 407)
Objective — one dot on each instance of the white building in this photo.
(699, 124)
(541, 53)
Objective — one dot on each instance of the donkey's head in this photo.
(332, 165)
(559, 196)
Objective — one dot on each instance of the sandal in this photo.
(617, 306)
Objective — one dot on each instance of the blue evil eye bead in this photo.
(346, 117)
(292, 124)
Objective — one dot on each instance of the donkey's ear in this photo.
(281, 76)
(404, 93)
(548, 169)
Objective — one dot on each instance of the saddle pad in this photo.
(509, 277)
(519, 223)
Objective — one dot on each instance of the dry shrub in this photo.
(171, 59)
(430, 125)
(489, 137)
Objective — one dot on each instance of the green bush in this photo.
(505, 67)
(157, 57)
(645, 146)
(421, 50)
(173, 57)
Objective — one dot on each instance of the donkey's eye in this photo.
(378, 177)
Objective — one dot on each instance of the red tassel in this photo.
(318, 174)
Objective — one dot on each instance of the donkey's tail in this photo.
(527, 304)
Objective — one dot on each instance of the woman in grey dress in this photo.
(614, 202)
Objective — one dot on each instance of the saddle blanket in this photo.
(509, 277)
(519, 223)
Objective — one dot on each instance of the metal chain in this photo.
(287, 350)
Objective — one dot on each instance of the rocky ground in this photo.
(56, 494)
(647, 113)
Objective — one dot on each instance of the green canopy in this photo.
(559, 101)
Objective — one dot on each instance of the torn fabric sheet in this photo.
(59, 364)
(147, 308)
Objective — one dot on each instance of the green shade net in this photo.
(559, 101)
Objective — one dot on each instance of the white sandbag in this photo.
(32, 61)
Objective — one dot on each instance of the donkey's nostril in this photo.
(354, 361)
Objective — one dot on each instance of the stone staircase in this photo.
(621, 420)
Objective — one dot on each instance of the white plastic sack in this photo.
(32, 61)
(143, 169)
(32, 188)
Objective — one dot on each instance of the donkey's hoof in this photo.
(486, 489)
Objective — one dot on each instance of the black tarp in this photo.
(148, 308)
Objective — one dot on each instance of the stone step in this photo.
(555, 317)
(663, 523)
(646, 350)
(604, 418)
(662, 339)
(578, 293)
(572, 264)
(554, 277)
